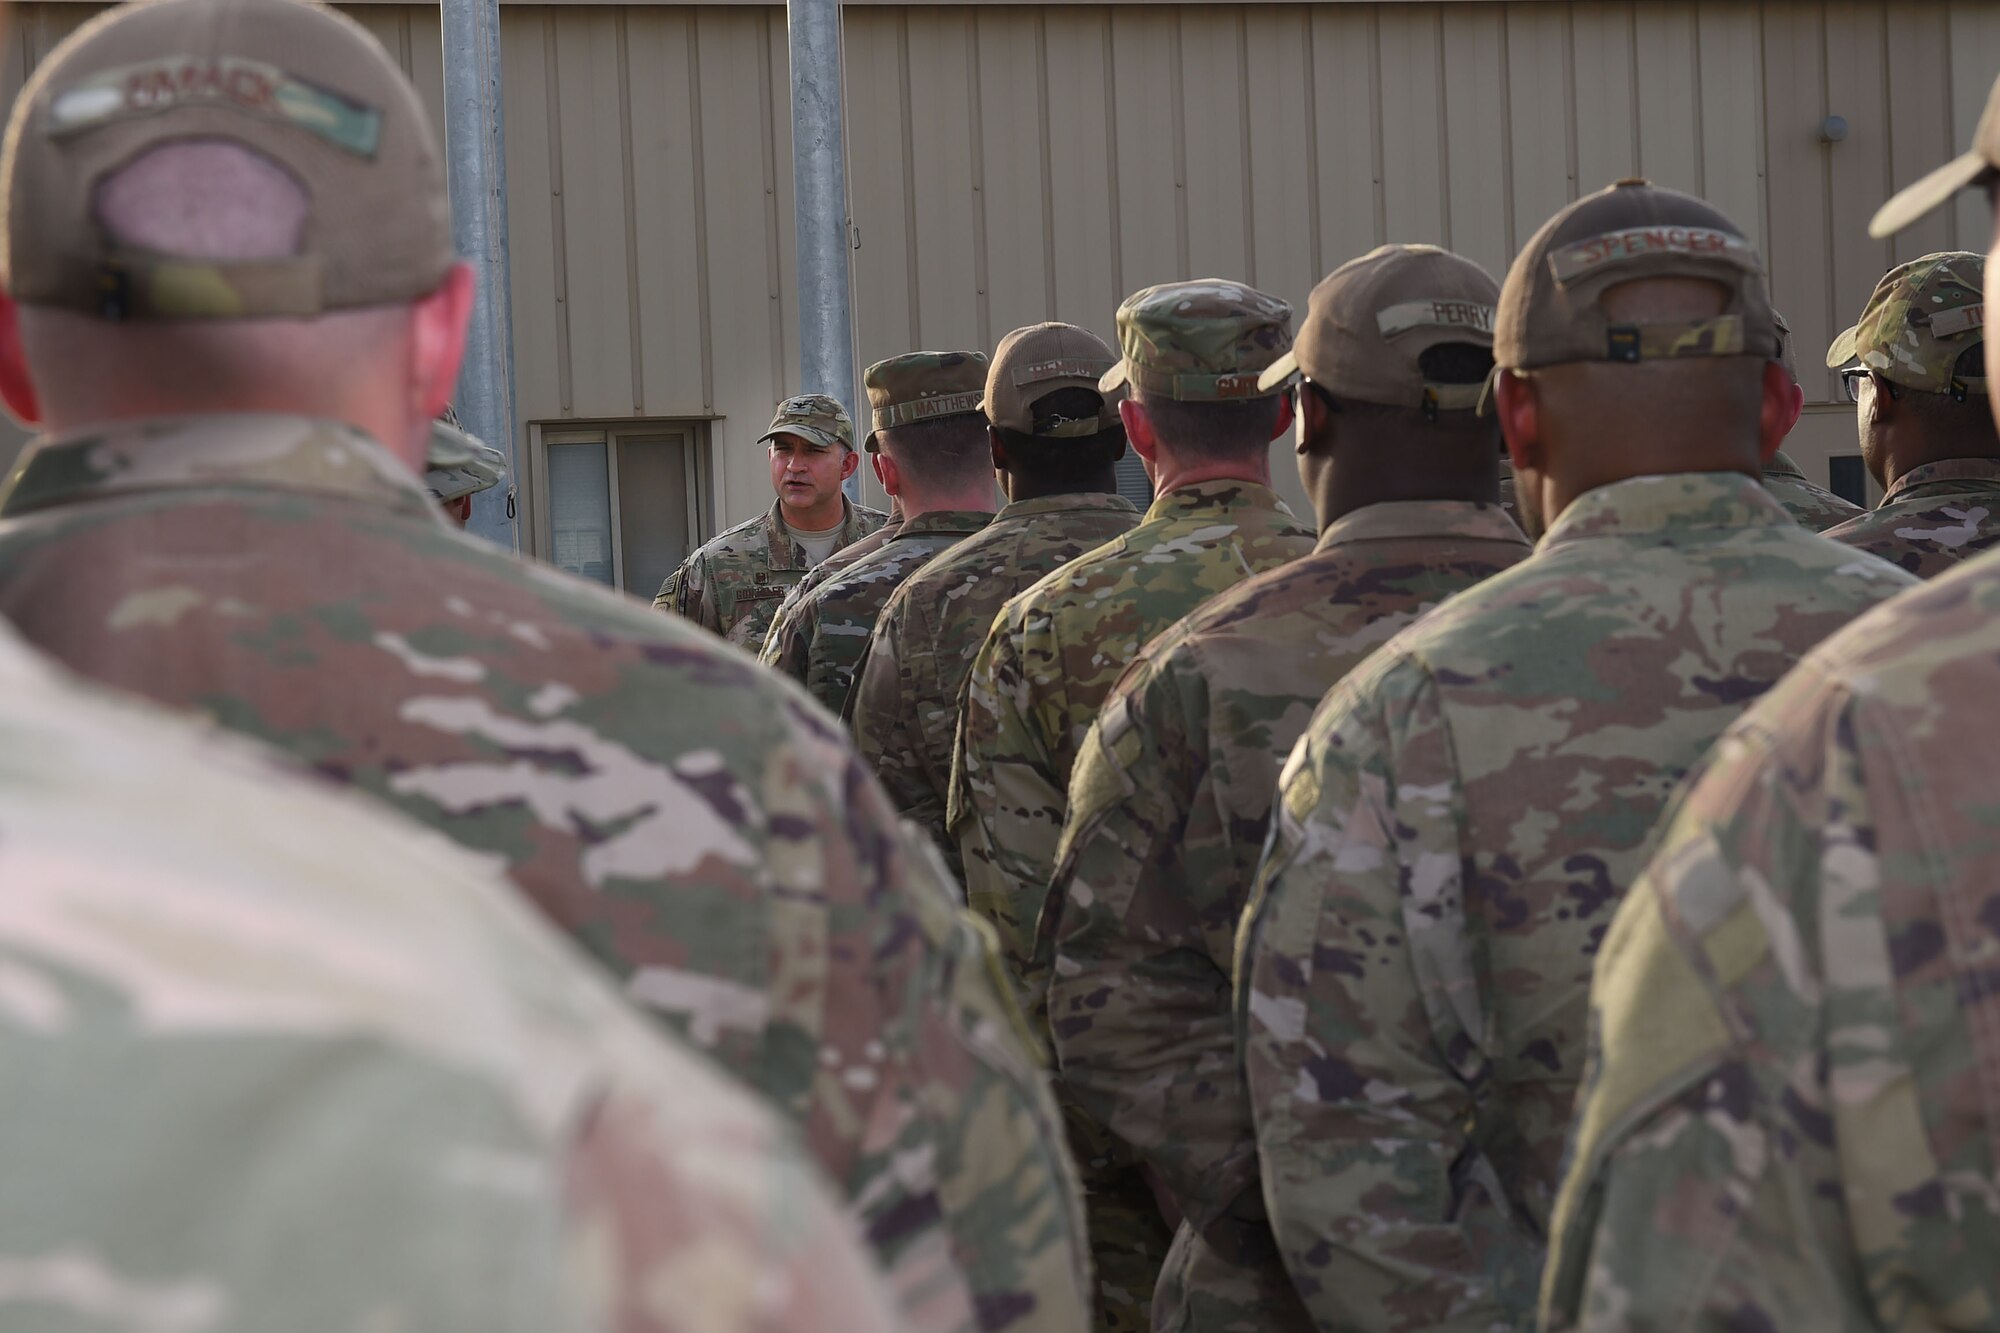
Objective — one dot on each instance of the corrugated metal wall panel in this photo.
(1009, 162)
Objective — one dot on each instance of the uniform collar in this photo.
(1660, 506)
(263, 451)
(1983, 470)
(1396, 519)
(1781, 465)
(784, 549)
(1205, 498)
(1069, 502)
(937, 521)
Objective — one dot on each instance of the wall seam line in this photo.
(700, 164)
(633, 322)
(559, 238)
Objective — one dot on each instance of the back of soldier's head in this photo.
(211, 198)
(1922, 339)
(925, 414)
(1057, 429)
(1191, 354)
(1641, 317)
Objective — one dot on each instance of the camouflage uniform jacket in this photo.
(906, 695)
(1932, 518)
(697, 825)
(1168, 809)
(277, 1059)
(1049, 661)
(1791, 1111)
(821, 640)
(1810, 505)
(733, 584)
(1453, 834)
(828, 568)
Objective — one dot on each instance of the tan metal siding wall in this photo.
(1011, 162)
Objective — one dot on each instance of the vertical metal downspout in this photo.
(476, 162)
(819, 191)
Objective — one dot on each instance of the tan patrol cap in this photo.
(922, 386)
(1920, 197)
(1550, 312)
(1370, 319)
(304, 86)
(1034, 362)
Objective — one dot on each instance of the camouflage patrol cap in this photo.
(456, 463)
(1199, 341)
(1922, 317)
(923, 386)
(298, 84)
(1034, 362)
(1919, 198)
(815, 417)
(1369, 321)
(1550, 312)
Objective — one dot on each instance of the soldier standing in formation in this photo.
(1192, 353)
(1810, 504)
(214, 519)
(929, 442)
(1789, 1119)
(1056, 442)
(733, 585)
(1914, 365)
(1465, 810)
(1171, 796)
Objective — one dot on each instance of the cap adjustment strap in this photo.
(1632, 343)
(141, 286)
(1188, 385)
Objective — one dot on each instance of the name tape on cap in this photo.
(1063, 368)
(1951, 323)
(169, 83)
(1637, 243)
(1467, 315)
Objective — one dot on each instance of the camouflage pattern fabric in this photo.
(1921, 318)
(1453, 834)
(906, 695)
(698, 826)
(821, 640)
(733, 585)
(1811, 506)
(834, 565)
(1200, 341)
(1933, 517)
(277, 1059)
(1035, 687)
(1790, 1115)
(1168, 810)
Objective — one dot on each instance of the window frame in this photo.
(696, 434)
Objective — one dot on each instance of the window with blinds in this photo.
(622, 504)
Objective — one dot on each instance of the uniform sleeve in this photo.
(1383, 1207)
(886, 724)
(1005, 806)
(685, 593)
(1751, 1148)
(760, 1250)
(1140, 993)
(788, 643)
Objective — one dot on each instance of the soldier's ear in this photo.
(17, 388)
(1138, 429)
(1519, 408)
(1284, 422)
(998, 447)
(849, 461)
(1783, 401)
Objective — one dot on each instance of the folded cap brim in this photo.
(1920, 198)
(1113, 379)
(1279, 373)
(1841, 351)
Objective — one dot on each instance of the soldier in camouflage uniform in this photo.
(275, 1059)
(929, 442)
(1810, 504)
(1466, 808)
(1789, 1120)
(836, 564)
(698, 826)
(1056, 441)
(1191, 353)
(1914, 365)
(1171, 796)
(733, 585)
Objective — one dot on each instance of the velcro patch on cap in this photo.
(171, 82)
(1636, 243)
(1062, 368)
(1951, 323)
(1467, 315)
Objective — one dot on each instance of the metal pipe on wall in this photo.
(476, 165)
(819, 191)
